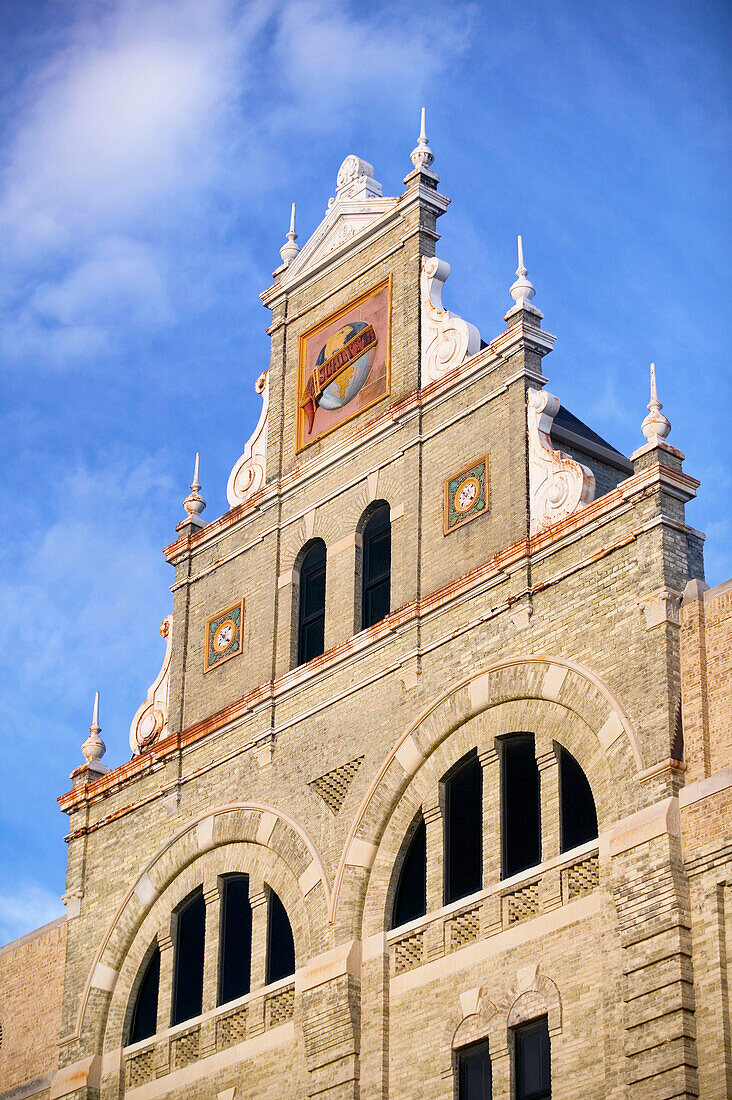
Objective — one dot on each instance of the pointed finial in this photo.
(194, 503)
(656, 426)
(422, 156)
(289, 249)
(94, 748)
(522, 290)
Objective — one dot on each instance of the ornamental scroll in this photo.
(151, 720)
(249, 473)
(446, 338)
(558, 485)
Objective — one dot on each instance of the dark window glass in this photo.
(520, 805)
(410, 900)
(532, 1061)
(464, 830)
(280, 944)
(188, 974)
(474, 1073)
(311, 627)
(145, 1013)
(376, 598)
(577, 813)
(235, 939)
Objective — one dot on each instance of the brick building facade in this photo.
(432, 796)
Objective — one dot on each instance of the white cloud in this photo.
(28, 907)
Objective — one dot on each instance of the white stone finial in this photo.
(290, 249)
(422, 156)
(94, 748)
(522, 290)
(194, 503)
(656, 426)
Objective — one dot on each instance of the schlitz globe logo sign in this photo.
(344, 364)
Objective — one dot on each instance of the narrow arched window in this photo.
(376, 581)
(190, 934)
(144, 1022)
(410, 899)
(463, 818)
(520, 804)
(577, 813)
(532, 1061)
(311, 624)
(280, 942)
(235, 938)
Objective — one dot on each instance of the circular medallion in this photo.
(466, 494)
(224, 635)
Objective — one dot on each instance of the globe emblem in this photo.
(352, 376)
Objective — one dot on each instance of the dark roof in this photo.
(572, 423)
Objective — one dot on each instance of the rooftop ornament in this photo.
(522, 290)
(194, 503)
(290, 249)
(422, 156)
(656, 426)
(94, 748)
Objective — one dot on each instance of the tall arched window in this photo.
(280, 943)
(311, 623)
(410, 899)
(520, 804)
(376, 577)
(190, 934)
(144, 1022)
(235, 938)
(577, 813)
(463, 806)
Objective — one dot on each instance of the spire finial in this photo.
(422, 156)
(194, 503)
(94, 748)
(522, 290)
(656, 426)
(289, 249)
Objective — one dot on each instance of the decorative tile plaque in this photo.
(466, 495)
(223, 636)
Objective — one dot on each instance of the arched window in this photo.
(280, 944)
(520, 804)
(235, 938)
(532, 1061)
(311, 622)
(577, 813)
(463, 817)
(410, 899)
(190, 930)
(144, 1022)
(376, 577)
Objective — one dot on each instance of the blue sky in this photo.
(150, 153)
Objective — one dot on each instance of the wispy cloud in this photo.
(25, 906)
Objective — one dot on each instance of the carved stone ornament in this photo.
(558, 485)
(446, 339)
(151, 720)
(249, 472)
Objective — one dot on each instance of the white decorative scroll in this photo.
(558, 485)
(446, 339)
(151, 720)
(249, 472)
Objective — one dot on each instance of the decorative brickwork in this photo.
(581, 878)
(333, 786)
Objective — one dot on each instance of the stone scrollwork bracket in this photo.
(151, 719)
(558, 485)
(249, 472)
(446, 339)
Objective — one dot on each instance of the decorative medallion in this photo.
(466, 495)
(344, 364)
(224, 635)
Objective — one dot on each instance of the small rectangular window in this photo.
(520, 804)
(532, 1061)
(474, 1073)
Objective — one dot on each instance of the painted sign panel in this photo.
(466, 495)
(344, 364)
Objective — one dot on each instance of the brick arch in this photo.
(515, 694)
(254, 824)
(240, 856)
